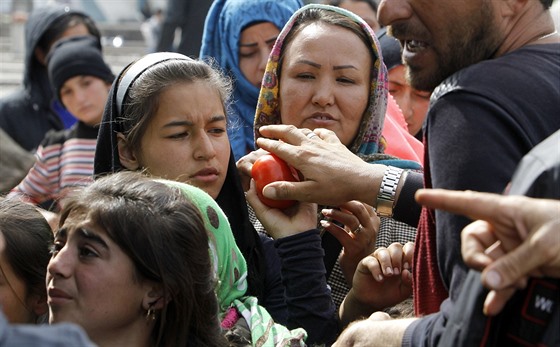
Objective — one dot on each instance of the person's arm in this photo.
(372, 332)
(308, 299)
(37, 186)
(516, 237)
(332, 174)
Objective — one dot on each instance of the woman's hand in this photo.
(281, 223)
(358, 235)
(245, 165)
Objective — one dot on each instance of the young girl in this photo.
(167, 116)
(130, 265)
(238, 35)
(81, 80)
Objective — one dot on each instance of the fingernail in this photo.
(406, 266)
(380, 278)
(326, 211)
(324, 223)
(269, 192)
(493, 279)
(396, 270)
(389, 271)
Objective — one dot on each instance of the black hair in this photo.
(28, 237)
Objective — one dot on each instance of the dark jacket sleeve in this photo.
(407, 210)
(273, 298)
(307, 295)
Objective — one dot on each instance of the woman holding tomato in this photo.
(310, 85)
(166, 116)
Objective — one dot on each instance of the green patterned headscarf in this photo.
(368, 143)
(230, 270)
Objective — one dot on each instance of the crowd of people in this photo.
(427, 198)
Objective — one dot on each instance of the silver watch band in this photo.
(387, 191)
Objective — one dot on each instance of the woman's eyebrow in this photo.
(91, 236)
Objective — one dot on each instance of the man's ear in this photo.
(126, 154)
(154, 298)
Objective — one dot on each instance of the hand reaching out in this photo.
(358, 235)
(382, 279)
(515, 237)
(323, 162)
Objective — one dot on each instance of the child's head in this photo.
(168, 117)
(132, 255)
(25, 238)
(80, 77)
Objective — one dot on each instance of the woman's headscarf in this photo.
(368, 144)
(222, 30)
(231, 197)
(230, 271)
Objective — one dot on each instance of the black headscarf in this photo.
(231, 197)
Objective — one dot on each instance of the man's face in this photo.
(440, 37)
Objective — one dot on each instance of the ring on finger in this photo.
(357, 230)
(311, 135)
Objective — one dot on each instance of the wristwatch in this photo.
(387, 191)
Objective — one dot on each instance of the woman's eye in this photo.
(247, 54)
(178, 135)
(305, 76)
(345, 80)
(217, 131)
(87, 252)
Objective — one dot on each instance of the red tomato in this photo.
(267, 169)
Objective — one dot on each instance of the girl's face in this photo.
(85, 97)
(414, 103)
(92, 282)
(255, 44)
(16, 305)
(186, 139)
(322, 87)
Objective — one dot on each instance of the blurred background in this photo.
(126, 27)
(121, 23)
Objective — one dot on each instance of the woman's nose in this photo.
(60, 264)
(323, 95)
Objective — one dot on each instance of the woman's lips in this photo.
(206, 175)
(320, 120)
(58, 296)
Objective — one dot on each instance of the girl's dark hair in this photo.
(163, 233)
(53, 33)
(27, 236)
